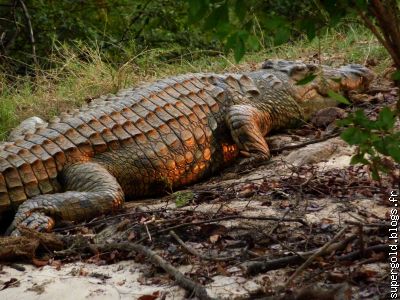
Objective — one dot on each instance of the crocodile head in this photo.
(313, 95)
(345, 78)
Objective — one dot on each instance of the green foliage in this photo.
(113, 26)
(306, 79)
(396, 76)
(373, 138)
(339, 98)
(236, 22)
(183, 198)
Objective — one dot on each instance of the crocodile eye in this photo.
(295, 70)
(267, 76)
(312, 67)
(268, 64)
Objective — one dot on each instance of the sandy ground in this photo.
(127, 279)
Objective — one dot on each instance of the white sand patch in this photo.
(48, 283)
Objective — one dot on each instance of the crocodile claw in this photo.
(37, 221)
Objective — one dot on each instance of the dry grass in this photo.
(75, 79)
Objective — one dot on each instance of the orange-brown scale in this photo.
(174, 117)
(47, 160)
(36, 164)
(26, 174)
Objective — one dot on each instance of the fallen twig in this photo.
(105, 220)
(255, 267)
(357, 254)
(299, 145)
(25, 246)
(278, 223)
(320, 252)
(195, 253)
(301, 221)
(383, 224)
(198, 290)
(16, 267)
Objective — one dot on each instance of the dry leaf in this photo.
(40, 262)
(153, 296)
(214, 238)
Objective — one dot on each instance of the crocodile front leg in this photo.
(90, 191)
(248, 126)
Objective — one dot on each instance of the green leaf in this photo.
(231, 41)
(359, 118)
(359, 159)
(306, 79)
(354, 136)
(386, 119)
(217, 17)
(274, 22)
(344, 122)
(240, 9)
(348, 135)
(223, 30)
(361, 4)
(236, 42)
(183, 198)
(253, 43)
(308, 25)
(282, 35)
(239, 50)
(197, 9)
(394, 152)
(380, 146)
(375, 174)
(339, 98)
(396, 75)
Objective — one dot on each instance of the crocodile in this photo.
(164, 135)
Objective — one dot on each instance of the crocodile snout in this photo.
(355, 76)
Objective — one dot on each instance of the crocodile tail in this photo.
(26, 170)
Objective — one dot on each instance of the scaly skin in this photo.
(146, 140)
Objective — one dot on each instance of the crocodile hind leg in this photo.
(248, 126)
(90, 191)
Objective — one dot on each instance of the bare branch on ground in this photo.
(195, 253)
(198, 290)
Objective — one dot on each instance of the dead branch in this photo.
(256, 267)
(106, 219)
(133, 21)
(368, 23)
(383, 224)
(198, 290)
(6, 45)
(386, 17)
(278, 223)
(301, 221)
(299, 145)
(16, 267)
(25, 246)
(334, 291)
(17, 247)
(320, 252)
(357, 254)
(195, 253)
(30, 28)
